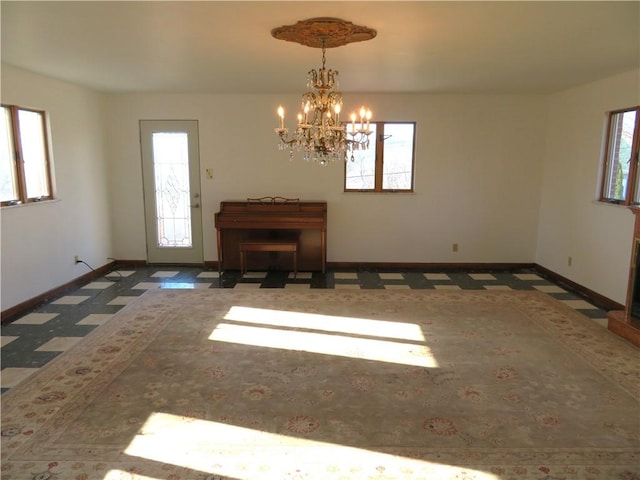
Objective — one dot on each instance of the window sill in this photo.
(41, 202)
(389, 192)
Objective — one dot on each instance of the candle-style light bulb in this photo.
(353, 123)
(337, 110)
(363, 112)
(281, 115)
(368, 119)
(306, 111)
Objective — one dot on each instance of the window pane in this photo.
(173, 204)
(32, 143)
(8, 180)
(361, 172)
(398, 156)
(619, 155)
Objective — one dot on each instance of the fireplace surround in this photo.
(626, 323)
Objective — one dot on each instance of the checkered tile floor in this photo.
(31, 341)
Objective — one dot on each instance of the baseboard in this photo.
(430, 267)
(9, 314)
(598, 300)
(132, 263)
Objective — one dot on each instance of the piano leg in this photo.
(323, 247)
(219, 242)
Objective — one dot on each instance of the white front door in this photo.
(171, 179)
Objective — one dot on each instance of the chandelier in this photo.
(320, 133)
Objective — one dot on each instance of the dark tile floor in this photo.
(37, 337)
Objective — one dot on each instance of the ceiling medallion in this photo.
(320, 134)
(327, 32)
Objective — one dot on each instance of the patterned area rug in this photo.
(271, 384)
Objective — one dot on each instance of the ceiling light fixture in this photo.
(320, 134)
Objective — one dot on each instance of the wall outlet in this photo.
(76, 259)
(454, 247)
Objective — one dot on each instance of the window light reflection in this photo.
(178, 285)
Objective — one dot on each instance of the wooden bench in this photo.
(269, 246)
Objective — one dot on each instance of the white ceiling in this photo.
(227, 47)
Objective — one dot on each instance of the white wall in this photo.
(597, 236)
(478, 174)
(510, 178)
(40, 240)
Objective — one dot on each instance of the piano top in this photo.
(267, 214)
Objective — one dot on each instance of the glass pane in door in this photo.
(173, 203)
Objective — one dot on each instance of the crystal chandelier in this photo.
(320, 134)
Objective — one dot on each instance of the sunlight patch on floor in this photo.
(240, 453)
(122, 475)
(328, 323)
(339, 345)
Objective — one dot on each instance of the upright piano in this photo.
(274, 219)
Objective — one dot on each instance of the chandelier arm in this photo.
(283, 138)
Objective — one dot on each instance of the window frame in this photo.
(632, 195)
(379, 162)
(18, 161)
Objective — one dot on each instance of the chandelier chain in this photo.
(323, 54)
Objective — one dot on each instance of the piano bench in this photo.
(269, 246)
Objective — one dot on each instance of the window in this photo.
(387, 166)
(25, 171)
(621, 179)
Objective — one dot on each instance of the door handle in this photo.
(197, 205)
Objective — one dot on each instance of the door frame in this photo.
(171, 255)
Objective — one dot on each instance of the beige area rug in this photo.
(271, 384)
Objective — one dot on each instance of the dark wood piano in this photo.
(272, 219)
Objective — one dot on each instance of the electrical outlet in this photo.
(76, 259)
(569, 261)
(454, 247)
